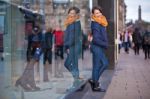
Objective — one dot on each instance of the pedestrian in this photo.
(126, 41)
(29, 53)
(27, 81)
(99, 44)
(146, 44)
(137, 40)
(120, 39)
(72, 39)
(47, 54)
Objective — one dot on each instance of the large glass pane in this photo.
(37, 59)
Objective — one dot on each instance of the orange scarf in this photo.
(69, 20)
(101, 20)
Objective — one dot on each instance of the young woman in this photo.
(72, 39)
(99, 43)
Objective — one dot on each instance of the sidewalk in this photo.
(131, 79)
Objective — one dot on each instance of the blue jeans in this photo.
(100, 62)
(126, 46)
(71, 62)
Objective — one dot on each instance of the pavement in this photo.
(87, 92)
(131, 79)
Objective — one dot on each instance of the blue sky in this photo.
(132, 9)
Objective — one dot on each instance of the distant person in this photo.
(27, 81)
(47, 54)
(29, 53)
(146, 44)
(120, 40)
(126, 41)
(137, 40)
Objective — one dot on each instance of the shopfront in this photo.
(16, 24)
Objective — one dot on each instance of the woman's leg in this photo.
(96, 63)
(99, 65)
(104, 62)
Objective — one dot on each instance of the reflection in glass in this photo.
(72, 43)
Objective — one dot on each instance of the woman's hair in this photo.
(96, 8)
(77, 10)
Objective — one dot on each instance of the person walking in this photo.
(99, 44)
(120, 39)
(126, 41)
(137, 40)
(146, 44)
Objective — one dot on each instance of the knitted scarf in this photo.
(69, 20)
(101, 20)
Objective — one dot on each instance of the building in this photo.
(121, 15)
(115, 12)
(140, 23)
(55, 11)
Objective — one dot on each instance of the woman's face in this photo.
(97, 13)
(72, 13)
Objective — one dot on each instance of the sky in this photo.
(132, 9)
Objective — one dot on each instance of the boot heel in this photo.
(97, 88)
